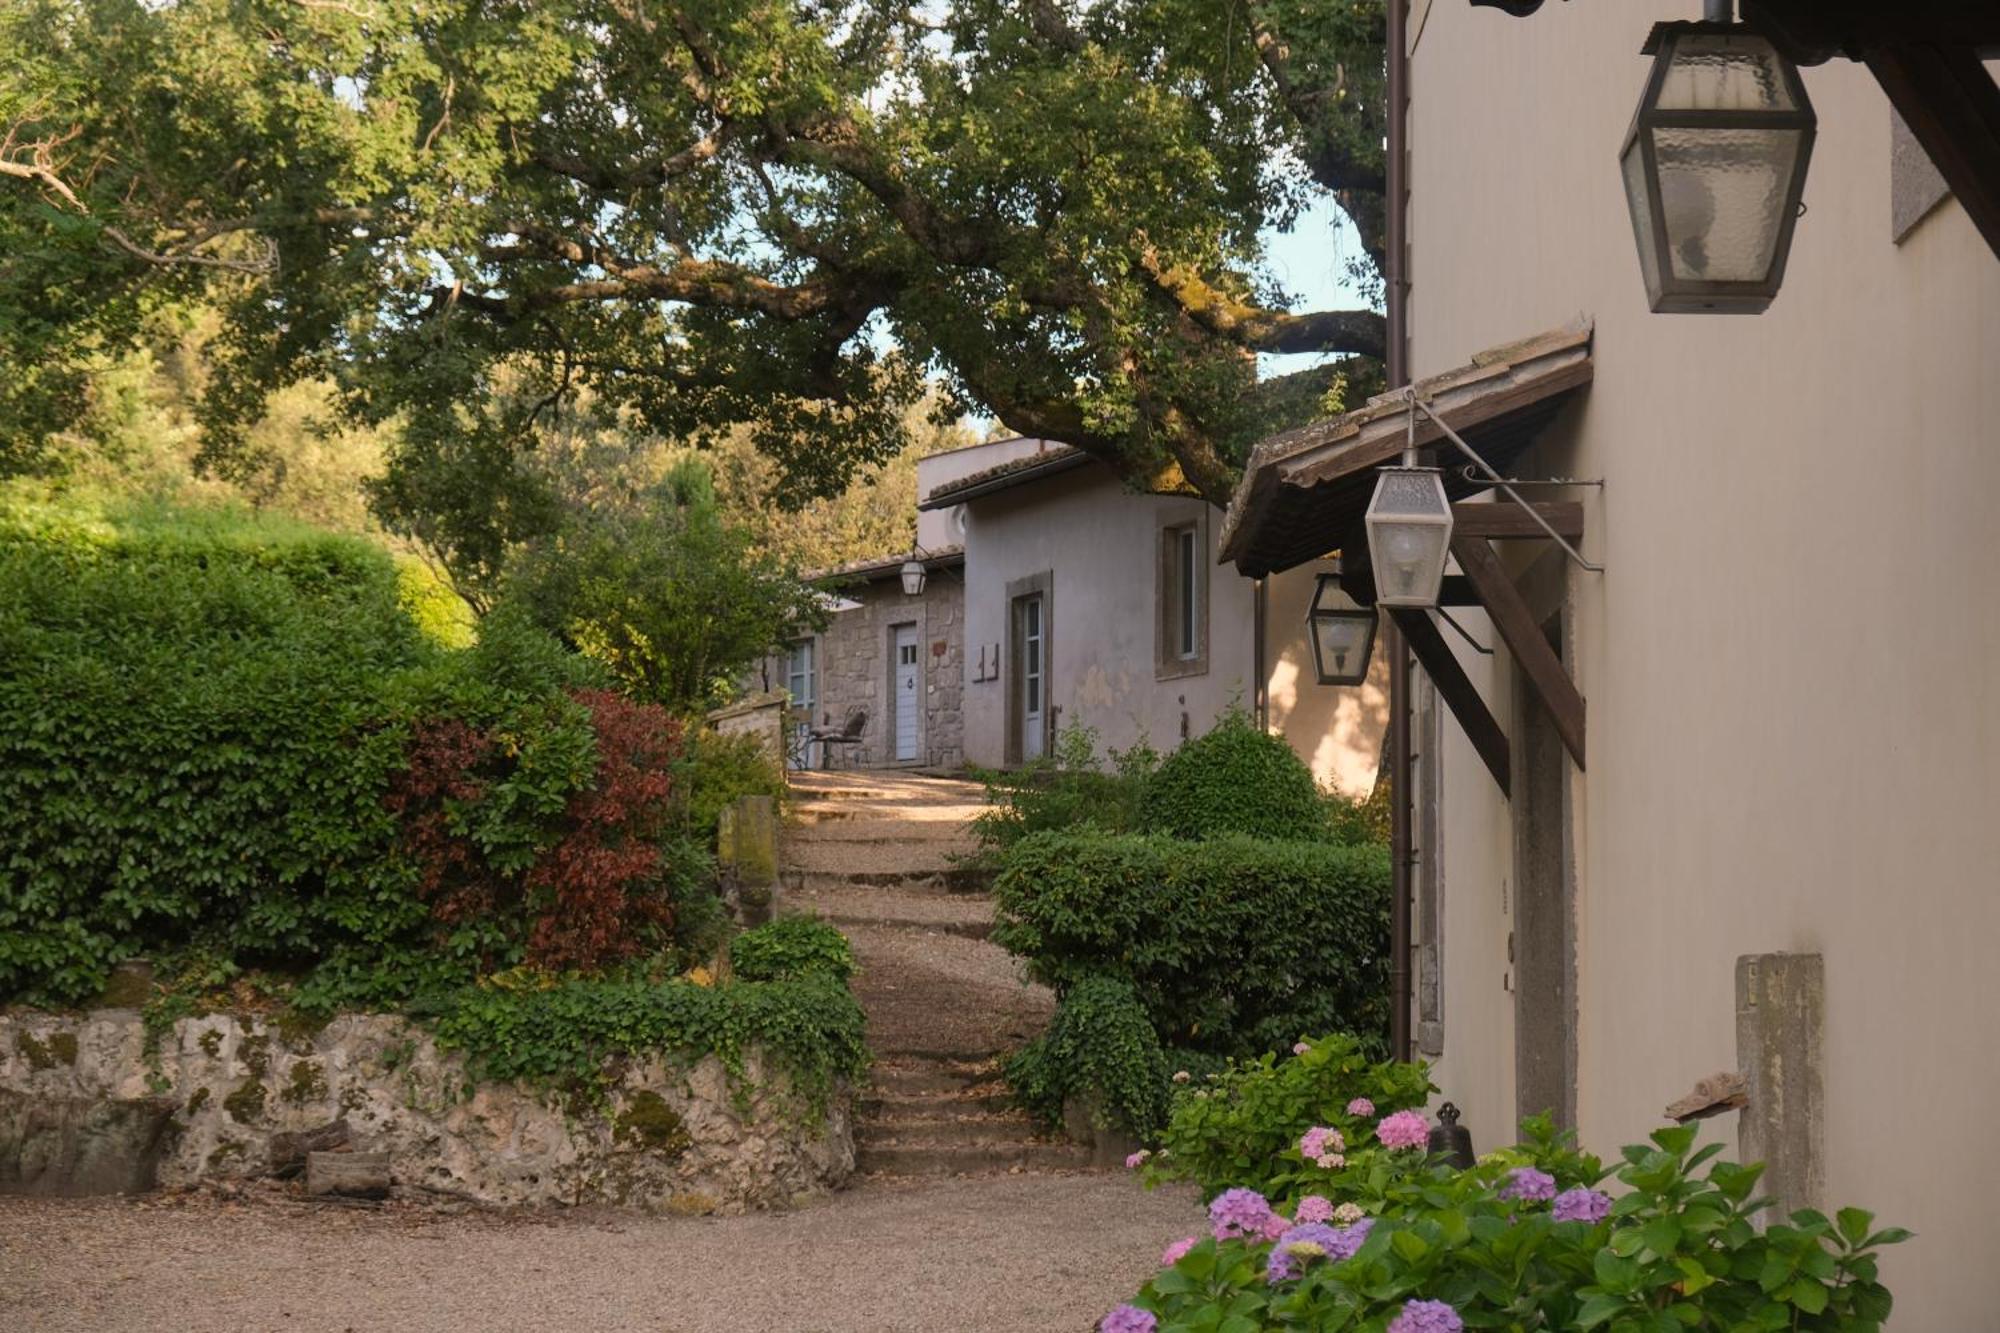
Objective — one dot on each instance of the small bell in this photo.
(1451, 1140)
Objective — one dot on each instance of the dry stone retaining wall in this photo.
(85, 1109)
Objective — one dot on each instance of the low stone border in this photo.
(85, 1110)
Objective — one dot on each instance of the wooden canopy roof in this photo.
(1305, 491)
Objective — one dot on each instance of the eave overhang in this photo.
(1305, 492)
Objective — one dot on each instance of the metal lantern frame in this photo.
(1380, 520)
(1323, 610)
(913, 577)
(1671, 294)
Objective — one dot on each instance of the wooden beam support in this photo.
(1952, 106)
(1458, 692)
(1503, 520)
(1516, 624)
(1360, 585)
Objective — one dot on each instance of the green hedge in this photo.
(1236, 778)
(789, 949)
(1233, 946)
(1100, 1047)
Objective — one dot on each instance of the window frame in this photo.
(1181, 600)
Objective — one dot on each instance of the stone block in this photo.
(1780, 1019)
(72, 1147)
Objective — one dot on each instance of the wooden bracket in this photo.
(1458, 692)
(1952, 106)
(1512, 522)
(1516, 624)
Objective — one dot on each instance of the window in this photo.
(1183, 639)
(800, 677)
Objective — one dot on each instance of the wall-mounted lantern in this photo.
(1343, 634)
(1451, 1140)
(1409, 535)
(1714, 165)
(913, 577)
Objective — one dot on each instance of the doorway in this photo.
(1033, 676)
(903, 699)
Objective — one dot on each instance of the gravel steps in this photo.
(878, 856)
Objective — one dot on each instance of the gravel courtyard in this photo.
(1025, 1252)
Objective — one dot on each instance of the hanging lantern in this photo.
(1714, 164)
(1342, 633)
(913, 577)
(1409, 535)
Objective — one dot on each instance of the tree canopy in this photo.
(779, 215)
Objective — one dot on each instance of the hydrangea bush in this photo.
(1398, 1243)
(1284, 1126)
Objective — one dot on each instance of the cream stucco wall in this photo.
(1336, 730)
(1100, 544)
(1794, 738)
(939, 528)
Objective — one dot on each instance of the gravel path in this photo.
(1041, 1253)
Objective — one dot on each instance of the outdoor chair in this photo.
(848, 733)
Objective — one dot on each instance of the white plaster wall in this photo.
(1794, 735)
(939, 528)
(1101, 543)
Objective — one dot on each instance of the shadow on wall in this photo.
(1338, 730)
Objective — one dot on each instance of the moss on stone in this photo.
(255, 1053)
(353, 1098)
(691, 1205)
(308, 1083)
(211, 1043)
(62, 1045)
(298, 1030)
(33, 1051)
(196, 1102)
(649, 1123)
(246, 1104)
(223, 1151)
(130, 986)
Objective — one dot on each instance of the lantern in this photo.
(1409, 535)
(913, 577)
(1342, 632)
(1451, 1140)
(1714, 166)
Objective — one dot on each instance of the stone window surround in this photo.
(1168, 663)
(1042, 584)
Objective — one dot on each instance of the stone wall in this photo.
(855, 670)
(84, 1109)
(761, 715)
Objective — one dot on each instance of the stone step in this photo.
(911, 1076)
(807, 870)
(892, 834)
(908, 859)
(895, 1106)
(818, 813)
(972, 1159)
(1012, 1128)
(971, 930)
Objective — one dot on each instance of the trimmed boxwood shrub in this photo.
(1232, 946)
(1236, 778)
(791, 948)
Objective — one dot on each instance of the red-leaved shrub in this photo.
(591, 893)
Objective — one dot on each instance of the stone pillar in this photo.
(1780, 1017)
(747, 853)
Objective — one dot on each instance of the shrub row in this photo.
(1233, 946)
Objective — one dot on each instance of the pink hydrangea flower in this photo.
(1238, 1212)
(1137, 1160)
(1175, 1252)
(1323, 1145)
(1361, 1106)
(1275, 1226)
(1314, 1208)
(1404, 1129)
(1301, 1048)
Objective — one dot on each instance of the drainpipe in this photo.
(1402, 850)
(1260, 702)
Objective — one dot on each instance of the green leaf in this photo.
(1854, 1223)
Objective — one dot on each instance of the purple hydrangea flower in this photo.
(1348, 1240)
(1528, 1185)
(1404, 1129)
(1238, 1212)
(1299, 1246)
(1128, 1319)
(1361, 1106)
(1581, 1205)
(1427, 1317)
(1175, 1252)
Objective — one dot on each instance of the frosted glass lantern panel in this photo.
(1642, 211)
(1723, 194)
(1409, 560)
(1341, 647)
(1713, 72)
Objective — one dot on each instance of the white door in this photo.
(906, 693)
(1034, 683)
